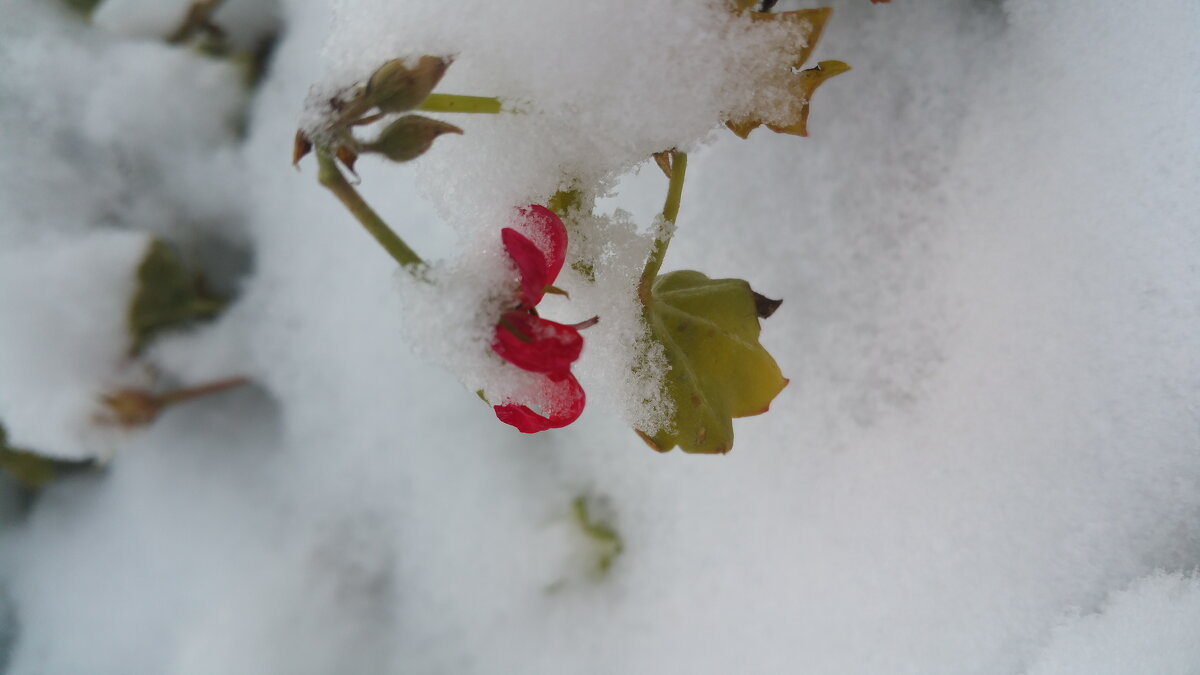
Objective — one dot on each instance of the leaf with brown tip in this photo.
(709, 331)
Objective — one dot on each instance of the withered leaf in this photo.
(802, 87)
(810, 24)
(663, 160)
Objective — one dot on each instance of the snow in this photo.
(1148, 628)
(986, 460)
(65, 341)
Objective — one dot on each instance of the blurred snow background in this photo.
(988, 460)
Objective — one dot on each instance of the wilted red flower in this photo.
(530, 342)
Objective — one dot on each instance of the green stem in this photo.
(669, 213)
(455, 103)
(331, 177)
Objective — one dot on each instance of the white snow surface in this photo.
(65, 341)
(987, 460)
(1149, 628)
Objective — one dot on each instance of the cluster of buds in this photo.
(394, 88)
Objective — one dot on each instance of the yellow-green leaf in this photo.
(709, 329)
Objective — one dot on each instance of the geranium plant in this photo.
(714, 368)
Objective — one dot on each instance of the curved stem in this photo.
(188, 393)
(455, 103)
(331, 177)
(669, 213)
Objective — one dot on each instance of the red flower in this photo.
(532, 343)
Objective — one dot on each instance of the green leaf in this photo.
(709, 329)
(167, 296)
(29, 469)
(84, 7)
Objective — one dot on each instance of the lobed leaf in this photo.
(709, 329)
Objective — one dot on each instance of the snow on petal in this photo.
(562, 404)
(550, 236)
(530, 263)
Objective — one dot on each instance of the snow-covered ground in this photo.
(987, 460)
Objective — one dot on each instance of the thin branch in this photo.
(331, 177)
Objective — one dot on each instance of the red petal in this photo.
(531, 265)
(550, 235)
(563, 404)
(538, 345)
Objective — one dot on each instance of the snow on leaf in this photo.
(808, 25)
(709, 330)
(29, 469)
(805, 84)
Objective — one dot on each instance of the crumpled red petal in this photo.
(538, 345)
(531, 266)
(563, 404)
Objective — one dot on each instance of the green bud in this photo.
(395, 87)
(409, 137)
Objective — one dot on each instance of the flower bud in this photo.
(395, 87)
(132, 407)
(409, 137)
